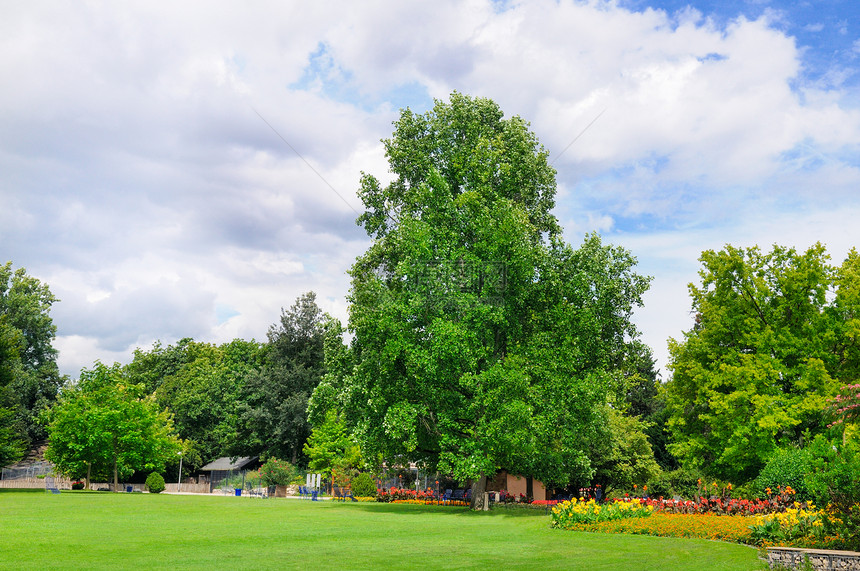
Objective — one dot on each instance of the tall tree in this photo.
(481, 340)
(29, 377)
(275, 400)
(104, 422)
(769, 345)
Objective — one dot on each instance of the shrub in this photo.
(77, 485)
(678, 482)
(278, 472)
(833, 474)
(786, 467)
(155, 483)
(363, 486)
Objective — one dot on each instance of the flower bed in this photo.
(803, 527)
(776, 521)
(429, 502)
(574, 512)
(731, 528)
(403, 494)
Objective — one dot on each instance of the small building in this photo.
(516, 485)
(218, 472)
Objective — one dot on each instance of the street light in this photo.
(180, 471)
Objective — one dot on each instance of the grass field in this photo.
(80, 530)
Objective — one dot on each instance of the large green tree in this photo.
(481, 340)
(273, 411)
(774, 336)
(104, 423)
(29, 377)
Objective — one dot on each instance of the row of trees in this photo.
(241, 398)
(481, 340)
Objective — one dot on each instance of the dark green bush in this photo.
(363, 486)
(155, 483)
(786, 467)
(833, 474)
(678, 482)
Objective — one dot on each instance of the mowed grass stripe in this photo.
(133, 531)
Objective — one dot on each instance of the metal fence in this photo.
(28, 471)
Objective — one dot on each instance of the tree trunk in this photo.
(89, 473)
(530, 488)
(115, 476)
(479, 486)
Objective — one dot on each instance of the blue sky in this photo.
(140, 182)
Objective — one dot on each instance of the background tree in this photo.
(481, 339)
(273, 411)
(645, 398)
(331, 450)
(202, 388)
(29, 377)
(201, 385)
(624, 457)
(768, 348)
(105, 422)
(12, 445)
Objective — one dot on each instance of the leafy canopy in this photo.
(106, 424)
(29, 377)
(774, 337)
(481, 340)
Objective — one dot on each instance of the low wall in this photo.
(819, 559)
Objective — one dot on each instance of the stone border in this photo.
(819, 559)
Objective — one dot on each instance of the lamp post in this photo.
(180, 471)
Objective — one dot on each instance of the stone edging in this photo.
(819, 559)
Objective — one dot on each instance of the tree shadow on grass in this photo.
(458, 511)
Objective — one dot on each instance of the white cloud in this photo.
(141, 184)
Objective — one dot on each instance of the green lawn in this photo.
(80, 530)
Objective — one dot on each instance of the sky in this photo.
(188, 169)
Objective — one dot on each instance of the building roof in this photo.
(226, 463)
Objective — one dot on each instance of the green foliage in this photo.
(278, 472)
(274, 400)
(768, 347)
(12, 445)
(679, 482)
(787, 467)
(623, 457)
(29, 377)
(201, 385)
(481, 339)
(155, 483)
(833, 475)
(105, 423)
(363, 486)
(330, 448)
